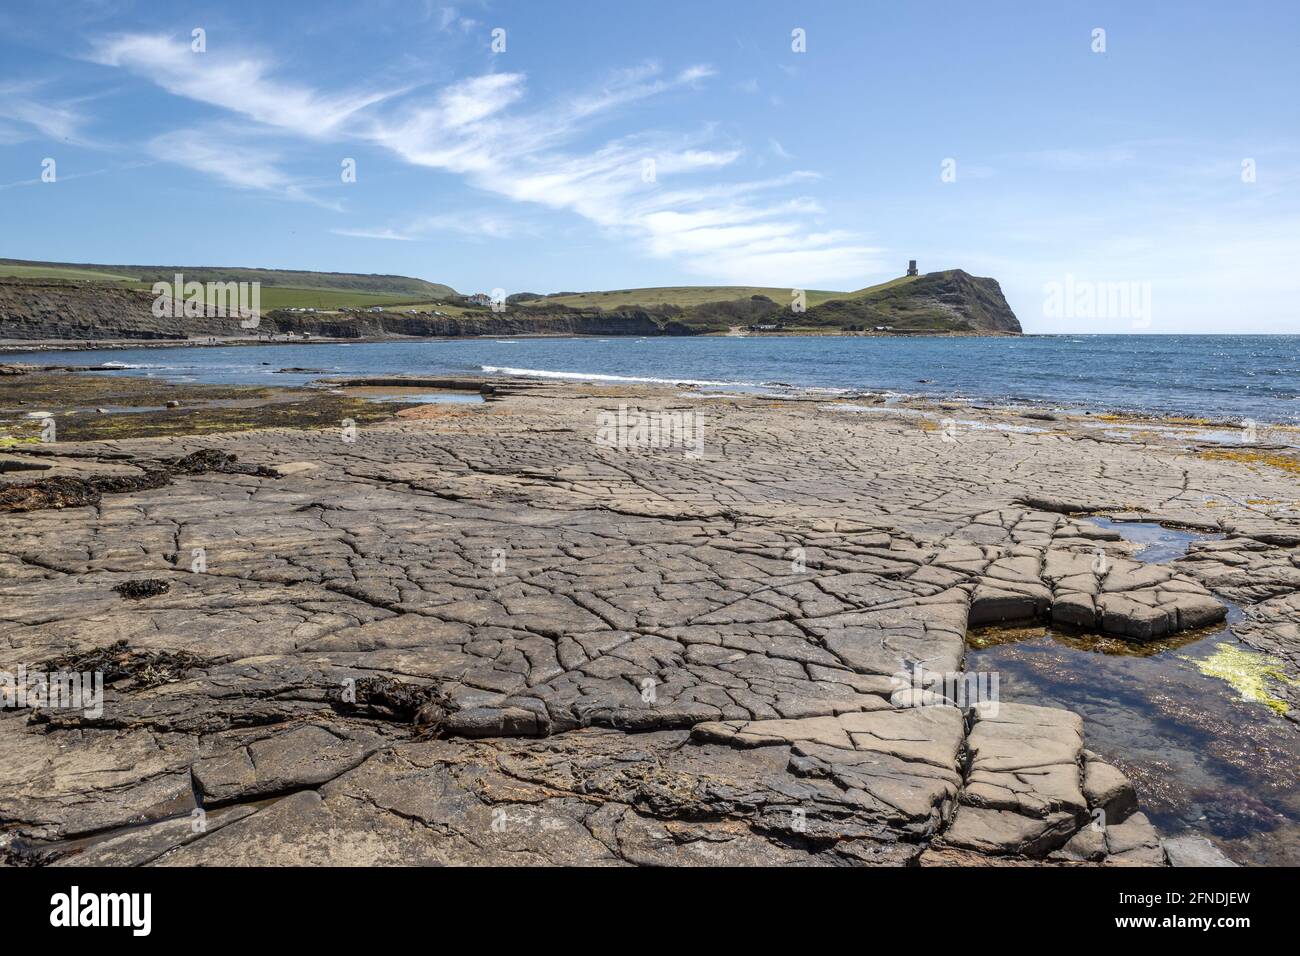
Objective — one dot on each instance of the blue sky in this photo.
(526, 169)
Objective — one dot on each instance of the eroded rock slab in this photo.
(638, 657)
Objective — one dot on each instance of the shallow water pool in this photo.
(1207, 754)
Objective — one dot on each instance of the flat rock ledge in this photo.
(483, 638)
(1032, 790)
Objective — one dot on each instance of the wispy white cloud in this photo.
(25, 114)
(469, 224)
(677, 196)
(232, 82)
(450, 18)
(64, 177)
(384, 233)
(217, 152)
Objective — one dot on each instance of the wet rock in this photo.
(1108, 790)
(992, 605)
(140, 846)
(1134, 843)
(1025, 759)
(1007, 832)
(1100, 592)
(1086, 846)
(1191, 850)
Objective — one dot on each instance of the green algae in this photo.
(1246, 672)
(199, 410)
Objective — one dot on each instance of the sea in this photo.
(1230, 378)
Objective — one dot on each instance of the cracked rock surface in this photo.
(600, 656)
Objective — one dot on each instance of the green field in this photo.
(879, 287)
(72, 274)
(687, 296)
(455, 311)
(291, 289)
(682, 295)
(277, 297)
(350, 289)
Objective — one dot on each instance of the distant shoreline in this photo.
(90, 345)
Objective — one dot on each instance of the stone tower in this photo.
(911, 267)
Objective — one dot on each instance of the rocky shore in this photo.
(480, 633)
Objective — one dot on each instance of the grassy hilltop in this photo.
(281, 288)
(687, 296)
(952, 301)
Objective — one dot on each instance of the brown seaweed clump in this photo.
(65, 491)
(143, 588)
(118, 662)
(423, 705)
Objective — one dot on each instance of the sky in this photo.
(1118, 167)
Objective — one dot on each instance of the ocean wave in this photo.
(118, 366)
(598, 377)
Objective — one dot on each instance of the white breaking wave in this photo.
(122, 365)
(596, 377)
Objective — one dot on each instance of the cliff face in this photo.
(378, 324)
(51, 309)
(952, 301)
(978, 301)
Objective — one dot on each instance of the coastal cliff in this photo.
(631, 321)
(51, 310)
(951, 302)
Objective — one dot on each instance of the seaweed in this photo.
(118, 662)
(65, 491)
(143, 588)
(423, 705)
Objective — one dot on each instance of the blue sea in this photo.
(1223, 377)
